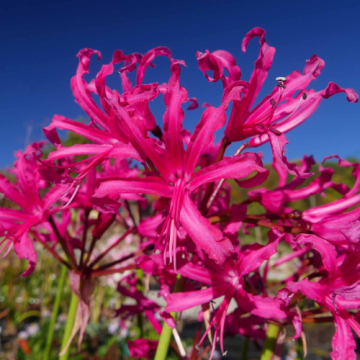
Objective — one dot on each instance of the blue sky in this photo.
(40, 40)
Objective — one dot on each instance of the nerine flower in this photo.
(34, 208)
(338, 292)
(229, 282)
(278, 112)
(173, 174)
(108, 139)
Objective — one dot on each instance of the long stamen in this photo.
(302, 98)
(179, 343)
(72, 196)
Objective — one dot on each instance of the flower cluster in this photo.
(165, 193)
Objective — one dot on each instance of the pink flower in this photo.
(278, 112)
(176, 167)
(229, 282)
(34, 209)
(338, 292)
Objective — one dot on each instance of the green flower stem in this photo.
(166, 332)
(55, 312)
(245, 348)
(69, 325)
(270, 341)
(140, 287)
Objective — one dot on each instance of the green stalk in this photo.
(166, 332)
(270, 341)
(140, 287)
(69, 325)
(55, 311)
(245, 348)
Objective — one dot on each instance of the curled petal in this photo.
(262, 66)
(278, 143)
(140, 94)
(193, 103)
(216, 62)
(343, 342)
(148, 58)
(208, 237)
(24, 249)
(105, 71)
(81, 92)
(333, 89)
(314, 66)
(324, 248)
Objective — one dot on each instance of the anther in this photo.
(280, 78)
(272, 102)
(296, 215)
(304, 96)
(281, 85)
(275, 131)
(224, 354)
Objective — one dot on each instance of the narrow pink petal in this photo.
(208, 237)
(216, 62)
(24, 249)
(307, 108)
(312, 290)
(236, 167)
(81, 149)
(148, 58)
(267, 308)
(254, 256)
(262, 66)
(193, 103)
(12, 215)
(333, 89)
(80, 91)
(314, 65)
(324, 248)
(343, 342)
(63, 123)
(53, 195)
(204, 275)
(146, 146)
(182, 301)
(11, 192)
(278, 143)
(140, 94)
(105, 71)
(146, 185)
(319, 212)
(212, 119)
(173, 118)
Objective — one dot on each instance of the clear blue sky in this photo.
(40, 40)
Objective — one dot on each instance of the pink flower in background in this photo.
(230, 283)
(35, 209)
